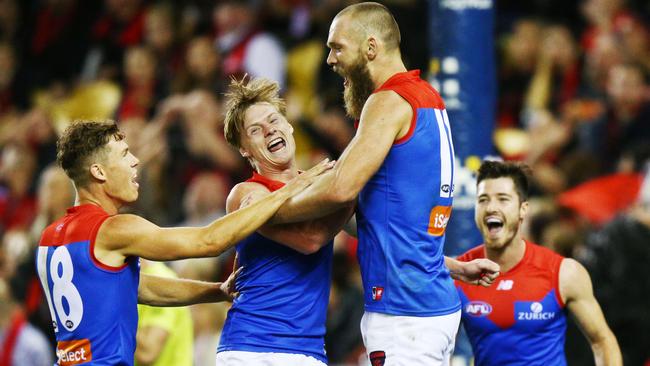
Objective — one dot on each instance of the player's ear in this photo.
(244, 152)
(371, 50)
(523, 210)
(98, 172)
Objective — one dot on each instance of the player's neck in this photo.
(280, 174)
(90, 196)
(509, 255)
(385, 69)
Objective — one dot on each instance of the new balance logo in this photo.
(505, 285)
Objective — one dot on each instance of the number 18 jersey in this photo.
(93, 306)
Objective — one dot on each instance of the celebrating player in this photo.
(400, 165)
(279, 317)
(88, 261)
(522, 319)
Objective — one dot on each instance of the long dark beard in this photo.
(359, 89)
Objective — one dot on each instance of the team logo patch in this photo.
(505, 285)
(377, 293)
(478, 309)
(438, 220)
(70, 353)
(377, 358)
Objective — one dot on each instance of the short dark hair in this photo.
(372, 17)
(79, 142)
(518, 172)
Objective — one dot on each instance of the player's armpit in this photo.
(577, 293)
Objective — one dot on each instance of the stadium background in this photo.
(563, 86)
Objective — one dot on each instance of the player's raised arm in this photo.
(129, 235)
(386, 117)
(577, 293)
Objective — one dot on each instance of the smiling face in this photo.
(499, 212)
(118, 168)
(266, 138)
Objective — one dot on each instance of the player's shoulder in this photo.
(543, 254)
(242, 190)
(474, 253)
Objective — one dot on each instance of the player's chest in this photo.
(527, 302)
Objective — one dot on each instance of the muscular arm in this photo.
(577, 294)
(385, 118)
(163, 291)
(121, 236)
(305, 237)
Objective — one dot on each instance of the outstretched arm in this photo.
(305, 237)
(480, 271)
(163, 291)
(577, 294)
(385, 118)
(121, 236)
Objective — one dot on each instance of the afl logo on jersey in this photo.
(478, 309)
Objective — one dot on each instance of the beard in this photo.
(359, 88)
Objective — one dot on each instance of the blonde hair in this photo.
(243, 94)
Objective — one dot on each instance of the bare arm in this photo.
(163, 291)
(577, 294)
(305, 237)
(385, 118)
(480, 271)
(129, 235)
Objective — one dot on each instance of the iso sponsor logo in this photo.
(536, 313)
(478, 309)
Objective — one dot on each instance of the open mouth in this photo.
(276, 144)
(494, 225)
(346, 82)
(134, 180)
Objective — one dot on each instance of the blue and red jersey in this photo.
(93, 306)
(403, 211)
(283, 296)
(521, 318)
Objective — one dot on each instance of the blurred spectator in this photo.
(202, 68)
(518, 57)
(121, 25)
(21, 344)
(614, 255)
(246, 49)
(141, 89)
(161, 37)
(17, 201)
(165, 336)
(343, 338)
(7, 85)
(57, 32)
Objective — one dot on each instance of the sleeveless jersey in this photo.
(283, 296)
(520, 319)
(403, 211)
(93, 306)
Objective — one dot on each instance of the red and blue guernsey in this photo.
(93, 306)
(283, 296)
(519, 320)
(403, 211)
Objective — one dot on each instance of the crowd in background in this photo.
(574, 104)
